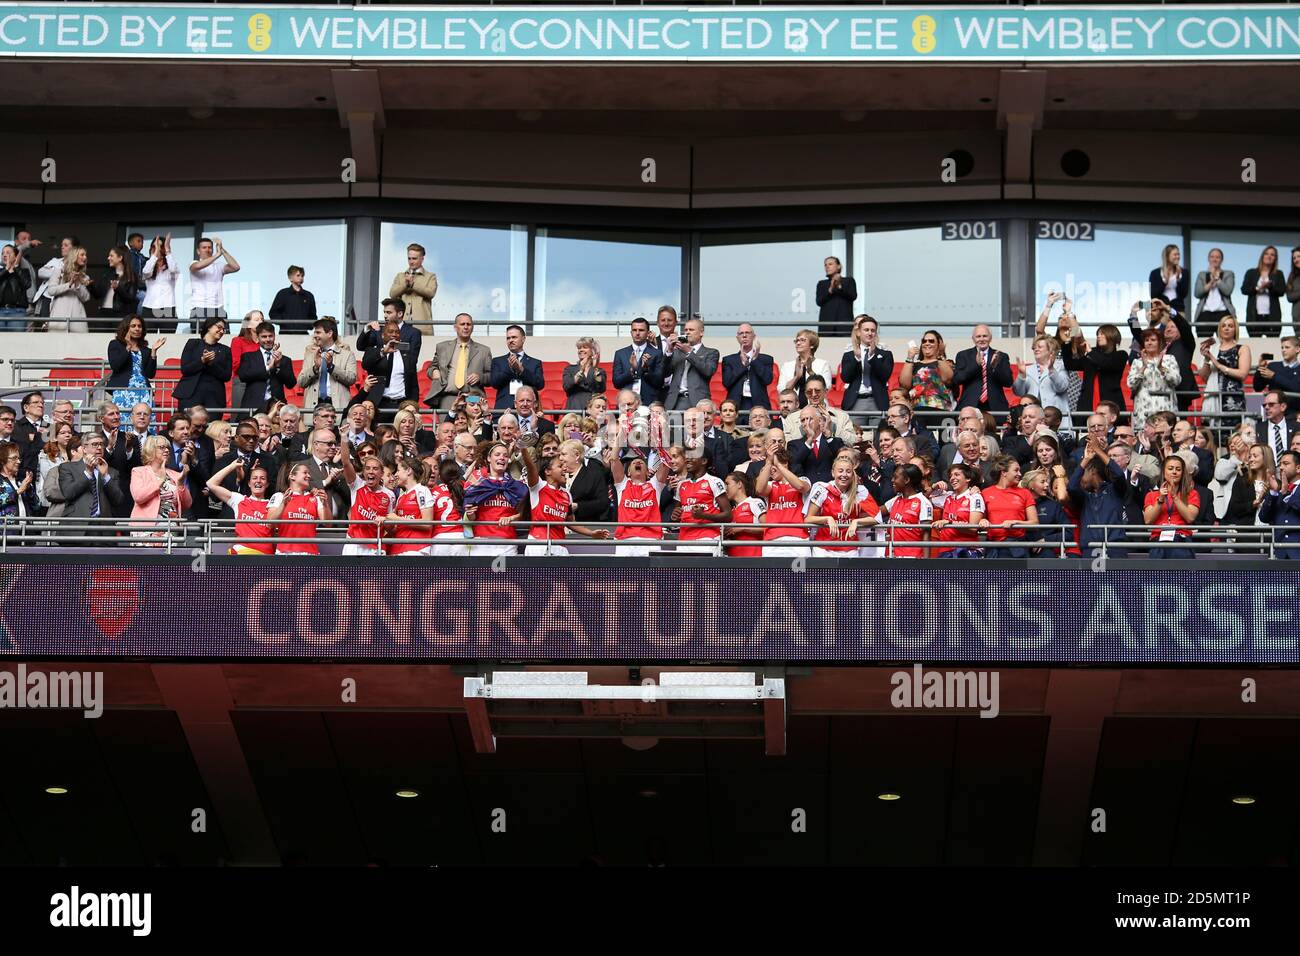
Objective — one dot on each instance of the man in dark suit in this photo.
(244, 449)
(982, 373)
(865, 370)
(205, 368)
(122, 451)
(182, 450)
(663, 339)
(747, 374)
(515, 370)
(640, 366)
(1020, 443)
(389, 375)
(812, 455)
(1284, 374)
(701, 433)
(1276, 430)
(1281, 507)
(267, 372)
(900, 416)
(965, 450)
(530, 423)
(324, 473)
(835, 297)
(29, 435)
(692, 366)
(90, 489)
(372, 336)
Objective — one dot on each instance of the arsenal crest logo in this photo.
(112, 598)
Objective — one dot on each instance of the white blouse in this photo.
(160, 291)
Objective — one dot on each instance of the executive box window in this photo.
(265, 250)
(914, 279)
(595, 284)
(1104, 276)
(482, 271)
(766, 278)
(1241, 249)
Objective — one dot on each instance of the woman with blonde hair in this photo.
(220, 433)
(1224, 370)
(69, 294)
(161, 495)
(406, 423)
(584, 378)
(1046, 378)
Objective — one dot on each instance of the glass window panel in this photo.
(767, 280)
(482, 271)
(594, 284)
(265, 250)
(1241, 249)
(1104, 277)
(912, 280)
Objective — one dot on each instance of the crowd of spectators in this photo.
(942, 463)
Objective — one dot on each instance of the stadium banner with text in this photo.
(667, 610)
(1111, 33)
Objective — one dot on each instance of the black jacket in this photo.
(255, 376)
(13, 289)
(295, 310)
(379, 368)
(1102, 373)
(202, 384)
(803, 464)
(124, 298)
(123, 458)
(1179, 302)
(835, 312)
(590, 492)
(879, 368)
(119, 360)
(966, 373)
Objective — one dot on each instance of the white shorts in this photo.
(836, 552)
(636, 547)
(359, 549)
(790, 550)
(453, 548)
(696, 549)
(542, 550)
(480, 548)
(418, 553)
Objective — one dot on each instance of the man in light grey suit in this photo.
(692, 367)
(89, 488)
(460, 366)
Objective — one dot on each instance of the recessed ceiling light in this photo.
(1243, 800)
(408, 794)
(57, 791)
(889, 796)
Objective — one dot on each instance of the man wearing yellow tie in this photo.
(460, 366)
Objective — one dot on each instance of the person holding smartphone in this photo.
(387, 372)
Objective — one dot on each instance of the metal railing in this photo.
(215, 536)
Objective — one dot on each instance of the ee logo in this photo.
(923, 38)
(259, 32)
